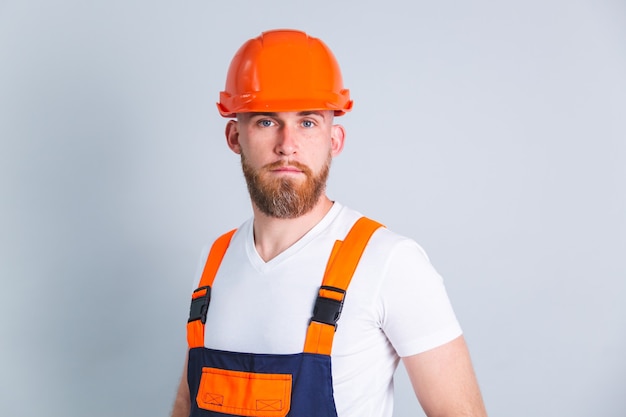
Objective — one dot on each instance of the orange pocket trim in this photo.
(244, 393)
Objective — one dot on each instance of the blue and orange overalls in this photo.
(272, 385)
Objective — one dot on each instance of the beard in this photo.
(285, 198)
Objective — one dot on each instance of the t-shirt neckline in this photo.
(263, 267)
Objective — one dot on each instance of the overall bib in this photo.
(272, 385)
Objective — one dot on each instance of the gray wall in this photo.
(494, 133)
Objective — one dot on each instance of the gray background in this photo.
(493, 133)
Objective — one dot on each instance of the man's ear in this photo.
(337, 138)
(232, 136)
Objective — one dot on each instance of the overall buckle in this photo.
(328, 308)
(200, 300)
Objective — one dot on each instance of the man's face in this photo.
(285, 158)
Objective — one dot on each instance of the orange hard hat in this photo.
(284, 70)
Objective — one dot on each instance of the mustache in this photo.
(279, 164)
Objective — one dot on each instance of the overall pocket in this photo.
(244, 393)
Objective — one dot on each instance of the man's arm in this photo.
(444, 381)
(182, 404)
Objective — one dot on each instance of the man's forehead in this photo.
(324, 114)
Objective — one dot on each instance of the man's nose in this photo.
(287, 141)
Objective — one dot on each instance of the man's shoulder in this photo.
(350, 216)
(239, 231)
(384, 240)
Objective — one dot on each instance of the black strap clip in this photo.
(327, 310)
(199, 305)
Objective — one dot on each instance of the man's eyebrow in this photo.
(263, 114)
(320, 113)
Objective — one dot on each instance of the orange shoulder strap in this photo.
(340, 268)
(218, 250)
(202, 295)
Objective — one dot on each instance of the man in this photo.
(283, 334)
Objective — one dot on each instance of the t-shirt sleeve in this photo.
(416, 311)
(204, 254)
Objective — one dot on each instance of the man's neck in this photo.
(272, 235)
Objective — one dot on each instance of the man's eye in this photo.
(308, 123)
(265, 123)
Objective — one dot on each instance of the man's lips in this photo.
(287, 169)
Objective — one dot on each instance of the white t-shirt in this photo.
(396, 306)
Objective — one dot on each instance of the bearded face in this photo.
(284, 197)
